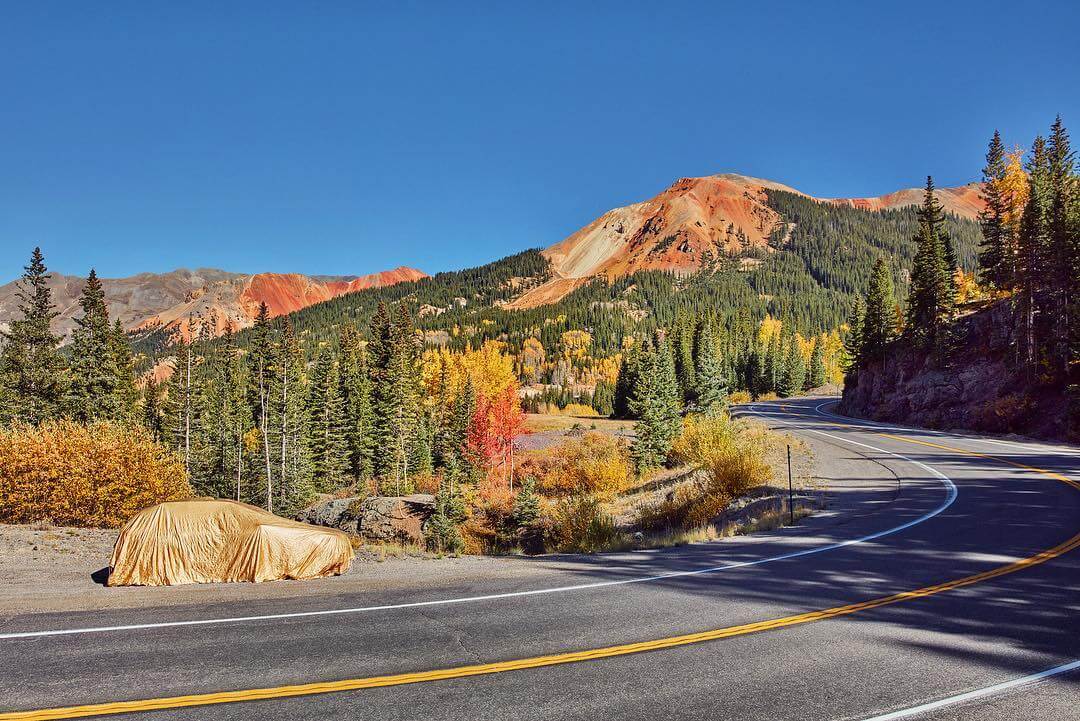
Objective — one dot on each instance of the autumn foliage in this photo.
(495, 424)
(595, 464)
(75, 475)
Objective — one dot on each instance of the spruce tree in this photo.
(1060, 247)
(152, 415)
(127, 391)
(1032, 252)
(626, 381)
(853, 339)
(260, 362)
(995, 261)
(395, 395)
(878, 322)
(95, 390)
(794, 370)
(603, 398)
(32, 380)
(710, 390)
(655, 404)
(932, 293)
(288, 417)
(326, 424)
(815, 373)
(356, 396)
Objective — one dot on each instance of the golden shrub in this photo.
(595, 464)
(739, 397)
(74, 475)
(731, 456)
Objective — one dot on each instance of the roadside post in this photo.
(790, 490)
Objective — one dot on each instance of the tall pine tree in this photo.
(32, 380)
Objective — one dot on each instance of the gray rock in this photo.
(400, 519)
(396, 518)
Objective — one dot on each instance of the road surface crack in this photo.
(458, 636)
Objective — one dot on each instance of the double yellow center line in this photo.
(309, 689)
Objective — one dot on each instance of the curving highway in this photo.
(942, 582)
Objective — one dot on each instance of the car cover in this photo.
(211, 541)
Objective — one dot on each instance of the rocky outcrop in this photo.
(976, 387)
(398, 519)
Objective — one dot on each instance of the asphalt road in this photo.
(965, 523)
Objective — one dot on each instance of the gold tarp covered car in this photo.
(212, 541)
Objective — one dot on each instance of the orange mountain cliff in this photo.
(690, 223)
(236, 303)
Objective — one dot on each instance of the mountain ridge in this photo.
(692, 223)
(185, 302)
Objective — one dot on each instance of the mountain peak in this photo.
(692, 223)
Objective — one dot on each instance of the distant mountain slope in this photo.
(689, 225)
(183, 299)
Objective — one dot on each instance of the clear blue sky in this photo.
(350, 137)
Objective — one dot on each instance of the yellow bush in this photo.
(579, 410)
(732, 456)
(739, 397)
(74, 475)
(581, 525)
(595, 464)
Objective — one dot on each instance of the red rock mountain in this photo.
(693, 220)
(184, 300)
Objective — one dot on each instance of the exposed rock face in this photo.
(186, 301)
(400, 519)
(692, 222)
(978, 390)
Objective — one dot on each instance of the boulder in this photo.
(396, 518)
(401, 519)
(334, 513)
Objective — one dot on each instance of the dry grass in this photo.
(537, 422)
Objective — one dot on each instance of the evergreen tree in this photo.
(710, 390)
(356, 395)
(395, 395)
(682, 346)
(603, 398)
(854, 339)
(183, 395)
(626, 381)
(32, 381)
(288, 423)
(655, 403)
(326, 430)
(260, 361)
(932, 293)
(815, 374)
(878, 322)
(223, 418)
(1060, 245)
(794, 373)
(96, 391)
(152, 416)
(1032, 251)
(995, 256)
(127, 390)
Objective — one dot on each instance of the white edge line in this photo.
(951, 494)
(977, 693)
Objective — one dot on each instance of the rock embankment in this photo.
(977, 386)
